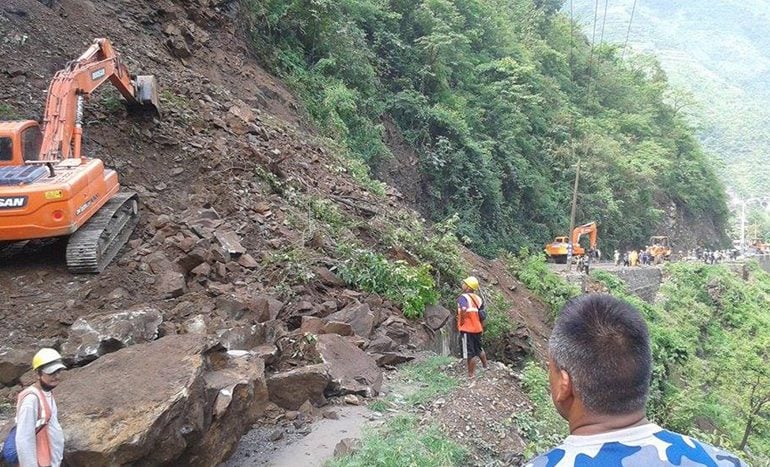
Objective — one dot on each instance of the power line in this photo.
(604, 21)
(630, 21)
(591, 54)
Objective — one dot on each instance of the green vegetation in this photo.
(404, 442)
(412, 288)
(711, 50)
(379, 406)
(432, 378)
(438, 247)
(7, 112)
(498, 100)
(541, 426)
(533, 271)
(111, 101)
(711, 341)
(499, 322)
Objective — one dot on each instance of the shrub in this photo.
(411, 287)
(533, 271)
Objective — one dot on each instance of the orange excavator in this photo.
(659, 248)
(48, 188)
(557, 250)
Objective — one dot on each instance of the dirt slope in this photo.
(231, 139)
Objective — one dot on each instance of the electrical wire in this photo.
(591, 54)
(604, 21)
(628, 32)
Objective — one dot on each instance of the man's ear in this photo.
(563, 386)
(560, 382)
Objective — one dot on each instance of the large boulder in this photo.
(359, 316)
(237, 387)
(179, 400)
(93, 336)
(13, 364)
(242, 337)
(436, 316)
(352, 370)
(290, 389)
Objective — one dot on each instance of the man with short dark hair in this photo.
(599, 369)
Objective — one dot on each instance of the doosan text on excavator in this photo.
(48, 188)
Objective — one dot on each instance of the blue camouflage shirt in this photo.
(641, 446)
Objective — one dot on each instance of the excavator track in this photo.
(10, 249)
(96, 243)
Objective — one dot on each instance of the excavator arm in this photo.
(62, 122)
(589, 229)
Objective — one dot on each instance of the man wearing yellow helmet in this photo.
(39, 437)
(470, 314)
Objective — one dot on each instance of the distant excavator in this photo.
(659, 249)
(557, 250)
(48, 188)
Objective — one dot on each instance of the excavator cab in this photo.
(19, 142)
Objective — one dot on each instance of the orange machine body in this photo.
(557, 250)
(58, 198)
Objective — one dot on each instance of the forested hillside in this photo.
(719, 51)
(494, 101)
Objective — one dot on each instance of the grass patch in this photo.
(402, 441)
(379, 405)
(111, 101)
(8, 113)
(498, 323)
(541, 426)
(432, 378)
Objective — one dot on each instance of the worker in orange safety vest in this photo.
(39, 437)
(470, 317)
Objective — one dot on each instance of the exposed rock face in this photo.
(93, 336)
(13, 364)
(237, 387)
(243, 337)
(351, 369)
(436, 316)
(168, 402)
(290, 389)
(359, 316)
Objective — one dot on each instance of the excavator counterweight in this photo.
(48, 188)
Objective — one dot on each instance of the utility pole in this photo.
(743, 227)
(570, 246)
(763, 201)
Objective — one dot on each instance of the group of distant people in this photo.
(712, 256)
(635, 258)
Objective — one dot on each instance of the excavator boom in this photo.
(62, 122)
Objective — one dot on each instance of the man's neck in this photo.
(592, 424)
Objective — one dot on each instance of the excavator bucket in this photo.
(147, 93)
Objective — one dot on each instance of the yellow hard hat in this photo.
(471, 282)
(45, 357)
